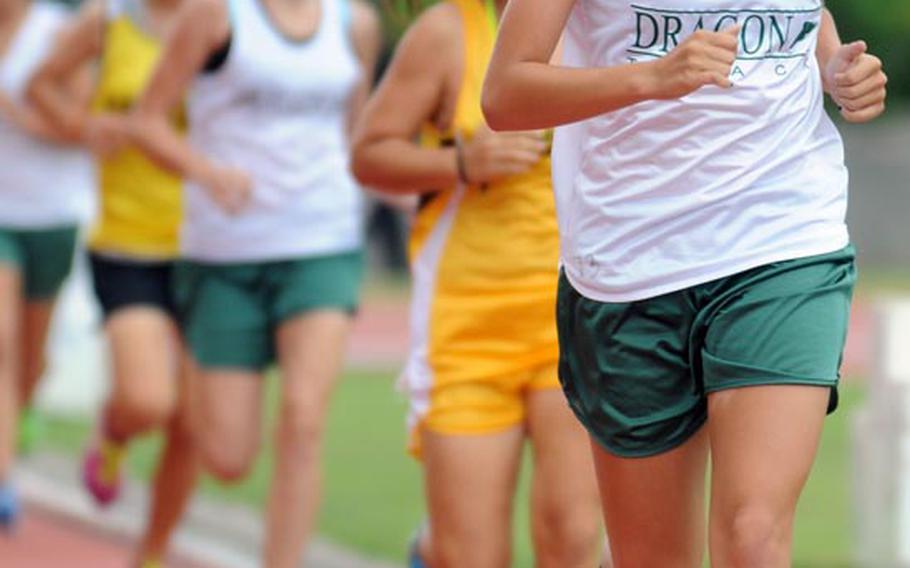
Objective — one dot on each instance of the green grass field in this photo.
(373, 493)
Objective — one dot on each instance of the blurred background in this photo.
(373, 498)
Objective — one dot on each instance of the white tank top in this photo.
(661, 196)
(277, 109)
(41, 184)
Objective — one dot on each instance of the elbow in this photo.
(495, 105)
(362, 166)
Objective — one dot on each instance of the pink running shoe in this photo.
(101, 471)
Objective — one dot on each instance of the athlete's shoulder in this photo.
(434, 35)
(202, 10)
(442, 21)
(365, 20)
(366, 32)
(213, 16)
(364, 12)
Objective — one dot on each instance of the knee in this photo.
(567, 535)
(301, 426)
(226, 461)
(451, 550)
(755, 536)
(462, 541)
(147, 408)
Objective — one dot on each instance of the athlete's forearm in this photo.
(537, 96)
(65, 114)
(828, 43)
(399, 166)
(60, 89)
(31, 122)
(168, 148)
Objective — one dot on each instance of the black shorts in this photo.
(122, 283)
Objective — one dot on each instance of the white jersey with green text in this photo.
(665, 195)
(277, 109)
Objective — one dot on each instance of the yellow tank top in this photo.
(140, 204)
(489, 254)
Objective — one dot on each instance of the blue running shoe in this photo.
(415, 559)
(9, 507)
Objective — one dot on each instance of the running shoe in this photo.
(415, 558)
(102, 471)
(31, 430)
(9, 507)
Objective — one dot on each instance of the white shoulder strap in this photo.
(133, 9)
(113, 9)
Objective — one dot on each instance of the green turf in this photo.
(373, 492)
(822, 538)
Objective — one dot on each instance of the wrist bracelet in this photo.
(459, 160)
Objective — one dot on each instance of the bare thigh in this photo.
(11, 310)
(227, 420)
(145, 355)
(654, 507)
(10, 316)
(470, 484)
(566, 521)
(763, 443)
(310, 351)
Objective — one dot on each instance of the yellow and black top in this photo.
(140, 204)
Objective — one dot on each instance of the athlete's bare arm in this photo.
(30, 121)
(59, 90)
(524, 91)
(853, 77)
(201, 28)
(422, 86)
(366, 36)
(77, 90)
(386, 155)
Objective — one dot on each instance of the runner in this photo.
(42, 187)
(482, 374)
(133, 248)
(272, 235)
(707, 268)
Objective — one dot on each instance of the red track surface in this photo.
(44, 540)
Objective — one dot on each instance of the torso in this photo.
(485, 259)
(665, 195)
(141, 204)
(277, 109)
(41, 184)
